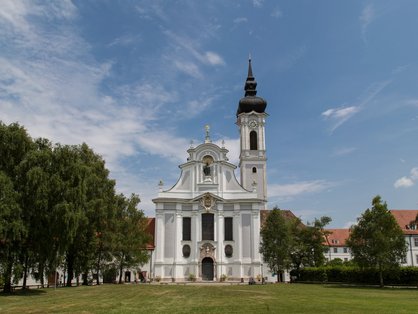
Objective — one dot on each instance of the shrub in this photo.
(354, 274)
(192, 277)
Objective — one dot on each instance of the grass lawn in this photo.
(277, 298)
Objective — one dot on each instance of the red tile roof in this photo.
(404, 217)
(151, 232)
(337, 237)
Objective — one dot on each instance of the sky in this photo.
(138, 80)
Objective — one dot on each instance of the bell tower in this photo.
(251, 118)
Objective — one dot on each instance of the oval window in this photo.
(186, 250)
(228, 250)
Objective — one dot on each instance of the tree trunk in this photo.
(121, 268)
(381, 276)
(25, 272)
(70, 269)
(98, 267)
(8, 278)
(85, 281)
(41, 275)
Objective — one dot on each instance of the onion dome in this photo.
(251, 102)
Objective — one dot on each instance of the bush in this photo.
(354, 274)
(192, 277)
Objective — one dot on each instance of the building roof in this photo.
(406, 219)
(337, 237)
(265, 212)
(151, 231)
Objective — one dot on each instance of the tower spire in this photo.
(250, 102)
(250, 69)
(250, 83)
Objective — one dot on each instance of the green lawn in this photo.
(277, 298)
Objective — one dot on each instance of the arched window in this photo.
(254, 170)
(253, 140)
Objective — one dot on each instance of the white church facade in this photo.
(207, 226)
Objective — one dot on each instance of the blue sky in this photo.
(138, 80)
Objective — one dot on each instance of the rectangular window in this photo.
(416, 258)
(335, 250)
(228, 229)
(207, 227)
(416, 241)
(187, 229)
(345, 250)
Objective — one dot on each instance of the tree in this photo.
(33, 177)
(308, 248)
(277, 242)
(15, 143)
(12, 231)
(377, 240)
(130, 234)
(91, 244)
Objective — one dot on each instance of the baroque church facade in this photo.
(207, 226)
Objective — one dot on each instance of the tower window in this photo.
(254, 170)
(253, 140)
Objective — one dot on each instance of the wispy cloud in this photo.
(258, 3)
(340, 115)
(213, 58)
(407, 181)
(366, 17)
(240, 20)
(276, 13)
(52, 84)
(287, 192)
(344, 151)
(125, 40)
(189, 68)
(192, 47)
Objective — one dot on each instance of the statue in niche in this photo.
(206, 169)
(207, 162)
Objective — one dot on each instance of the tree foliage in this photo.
(308, 249)
(277, 242)
(377, 241)
(58, 208)
(130, 234)
(288, 243)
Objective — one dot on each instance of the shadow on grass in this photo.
(23, 292)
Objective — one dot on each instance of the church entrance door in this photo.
(207, 268)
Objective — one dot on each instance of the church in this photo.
(207, 226)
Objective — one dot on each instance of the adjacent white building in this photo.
(336, 245)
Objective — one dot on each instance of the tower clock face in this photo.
(253, 124)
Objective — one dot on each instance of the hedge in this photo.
(352, 274)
